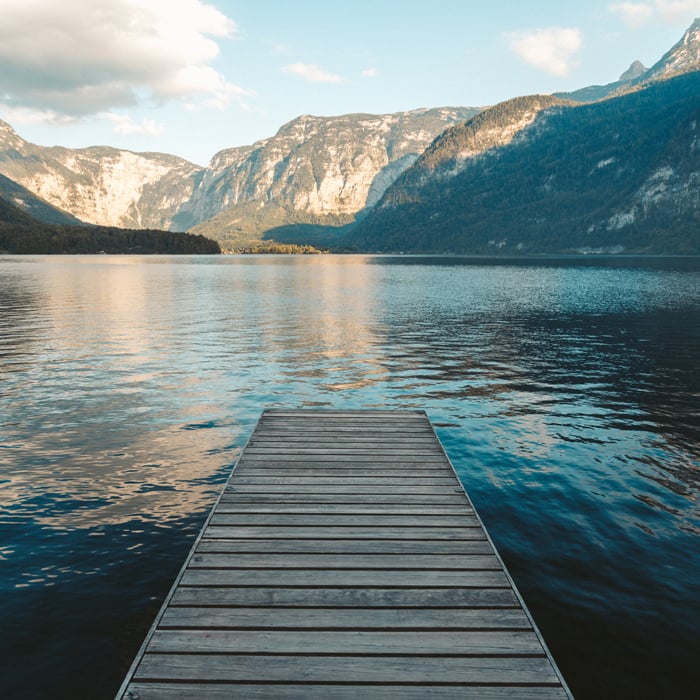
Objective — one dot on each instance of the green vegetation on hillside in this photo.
(281, 249)
(252, 226)
(20, 233)
(621, 174)
(32, 205)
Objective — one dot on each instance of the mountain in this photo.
(314, 170)
(361, 178)
(454, 150)
(22, 233)
(622, 174)
(100, 185)
(32, 205)
(636, 70)
(684, 57)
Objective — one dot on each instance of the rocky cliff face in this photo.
(100, 185)
(315, 169)
(24, 200)
(455, 148)
(684, 57)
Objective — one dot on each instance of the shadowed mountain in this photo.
(618, 175)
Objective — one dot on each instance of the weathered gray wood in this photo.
(360, 533)
(387, 449)
(234, 496)
(320, 579)
(345, 546)
(217, 560)
(272, 472)
(341, 468)
(416, 511)
(344, 440)
(507, 642)
(343, 560)
(346, 618)
(341, 480)
(324, 691)
(348, 428)
(347, 669)
(280, 598)
(350, 489)
(332, 520)
(358, 458)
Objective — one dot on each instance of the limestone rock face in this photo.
(100, 185)
(684, 57)
(313, 169)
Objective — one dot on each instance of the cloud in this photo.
(673, 12)
(81, 57)
(277, 48)
(311, 73)
(551, 50)
(633, 14)
(678, 11)
(370, 73)
(24, 115)
(123, 124)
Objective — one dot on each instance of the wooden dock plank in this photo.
(343, 560)
(421, 562)
(332, 520)
(415, 511)
(313, 578)
(274, 618)
(444, 642)
(347, 498)
(345, 546)
(364, 533)
(482, 670)
(301, 691)
(280, 598)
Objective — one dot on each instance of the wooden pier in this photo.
(343, 560)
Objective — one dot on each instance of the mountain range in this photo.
(606, 168)
(314, 170)
(620, 175)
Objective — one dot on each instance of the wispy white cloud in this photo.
(678, 11)
(26, 115)
(633, 14)
(278, 49)
(311, 73)
(81, 57)
(123, 124)
(673, 12)
(552, 50)
(370, 73)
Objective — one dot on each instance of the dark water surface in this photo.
(567, 394)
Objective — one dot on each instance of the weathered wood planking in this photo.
(343, 560)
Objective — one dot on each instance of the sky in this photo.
(193, 77)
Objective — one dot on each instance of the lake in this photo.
(566, 393)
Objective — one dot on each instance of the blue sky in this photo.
(191, 77)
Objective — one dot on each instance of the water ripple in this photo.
(566, 394)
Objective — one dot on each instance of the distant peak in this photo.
(692, 36)
(636, 70)
(684, 57)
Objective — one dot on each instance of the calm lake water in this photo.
(567, 394)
